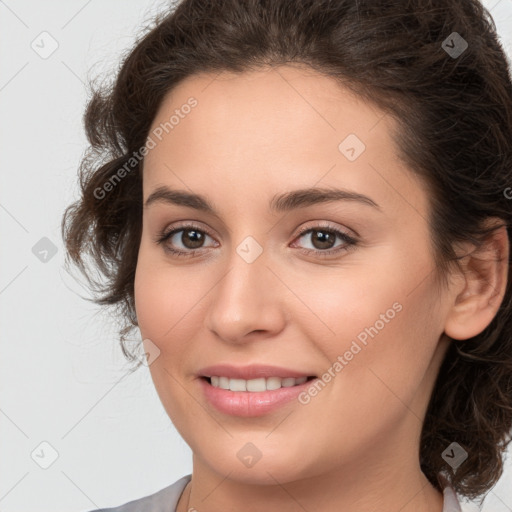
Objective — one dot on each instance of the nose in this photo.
(247, 302)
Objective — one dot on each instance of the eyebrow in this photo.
(287, 201)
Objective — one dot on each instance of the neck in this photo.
(382, 488)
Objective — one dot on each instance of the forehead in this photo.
(269, 127)
(295, 103)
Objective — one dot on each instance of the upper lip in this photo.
(253, 371)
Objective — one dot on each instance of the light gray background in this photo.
(63, 379)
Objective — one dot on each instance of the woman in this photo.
(304, 207)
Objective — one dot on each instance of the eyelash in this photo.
(349, 241)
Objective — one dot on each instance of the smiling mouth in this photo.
(257, 385)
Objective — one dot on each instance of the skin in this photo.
(355, 446)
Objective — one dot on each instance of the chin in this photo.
(256, 464)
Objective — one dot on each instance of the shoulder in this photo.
(164, 500)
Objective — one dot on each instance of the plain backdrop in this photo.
(67, 399)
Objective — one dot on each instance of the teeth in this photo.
(255, 385)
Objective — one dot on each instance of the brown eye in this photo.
(323, 240)
(192, 238)
(183, 241)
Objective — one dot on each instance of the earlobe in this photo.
(485, 278)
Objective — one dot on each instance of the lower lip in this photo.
(249, 404)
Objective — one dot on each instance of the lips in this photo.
(257, 401)
(250, 404)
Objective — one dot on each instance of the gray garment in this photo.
(167, 498)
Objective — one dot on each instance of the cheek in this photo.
(381, 322)
(163, 298)
(155, 304)
(163, 304)
(387, 353)
(340, 305)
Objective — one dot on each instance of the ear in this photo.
(484, 282)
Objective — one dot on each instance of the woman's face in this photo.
(342, 290)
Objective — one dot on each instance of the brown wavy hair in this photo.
(454, 114)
